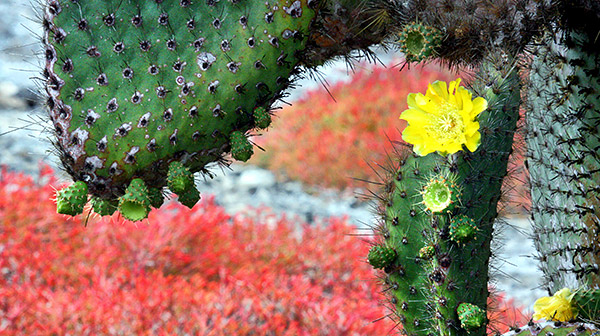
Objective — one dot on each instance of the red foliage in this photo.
(331, 136)
(193, 272)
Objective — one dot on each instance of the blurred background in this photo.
(318, 154)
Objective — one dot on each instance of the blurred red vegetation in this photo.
(329, 137)
(199, 272)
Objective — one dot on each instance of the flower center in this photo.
(447, 126)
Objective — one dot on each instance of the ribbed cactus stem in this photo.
(564, 158)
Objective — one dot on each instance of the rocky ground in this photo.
(23, 144)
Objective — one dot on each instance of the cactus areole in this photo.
(133, 86)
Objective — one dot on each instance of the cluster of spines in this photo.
(435, 270)
(419, 42)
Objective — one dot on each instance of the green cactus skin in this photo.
(425, 289)
(104, 207)
(179, 178)
(133, 86)
(190, 197)
(564, 159)
(381, 256)
(72, 199)
(555, 329)
(587, 303)
(418, 42)
(134, 205)
(471, 317)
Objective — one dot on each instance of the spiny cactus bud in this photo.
(462, 229)
(241, 148)
(71, 200)
(156, 197)
(179, 177)
(104, 207)
(470, 316)
(262, 118)
(418, 41)
(189, 198)
(440, 193)
(135, 204)
(381, 256)
(426, 252)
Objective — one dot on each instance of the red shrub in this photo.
(182, 272)
(331, 136)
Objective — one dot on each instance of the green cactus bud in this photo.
(462, 229)
(262, 118)
(156, 197)
(381, 256)
(470, 316)
(179, 177)
(418, 41)
(189, 198)
(135, 203)
(241, 148)
(104, 207)
(71, 200)
(427, 252)
(441, 193)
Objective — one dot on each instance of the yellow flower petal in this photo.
(443, 119)
(555, 308)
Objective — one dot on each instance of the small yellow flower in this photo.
(443, 119)
(555, 308)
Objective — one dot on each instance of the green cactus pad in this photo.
(104, 207)
(179, 178)
(262, 118)
(470, 316)
(418, 41)
(71, 200)
(241, 148)
(135, 203)
(135, 85)
(156, 197)
(381, 256)
(440, 193)
(462, 229)
(189, 198)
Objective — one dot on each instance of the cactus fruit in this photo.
(104, 207)
(179, 178)
(555, 329)
(434, 273)
(470, 316)
(563, 158)
(418, 42)
(441, 193)
(190, 197)
(71, 200)
(135, 203)
(462, 229)
(134, 86)
(381, 256)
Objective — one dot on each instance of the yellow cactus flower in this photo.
(555, 308)
(443, 120)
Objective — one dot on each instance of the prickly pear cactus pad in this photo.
(135, 85)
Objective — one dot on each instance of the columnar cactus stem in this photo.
(436, 272)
